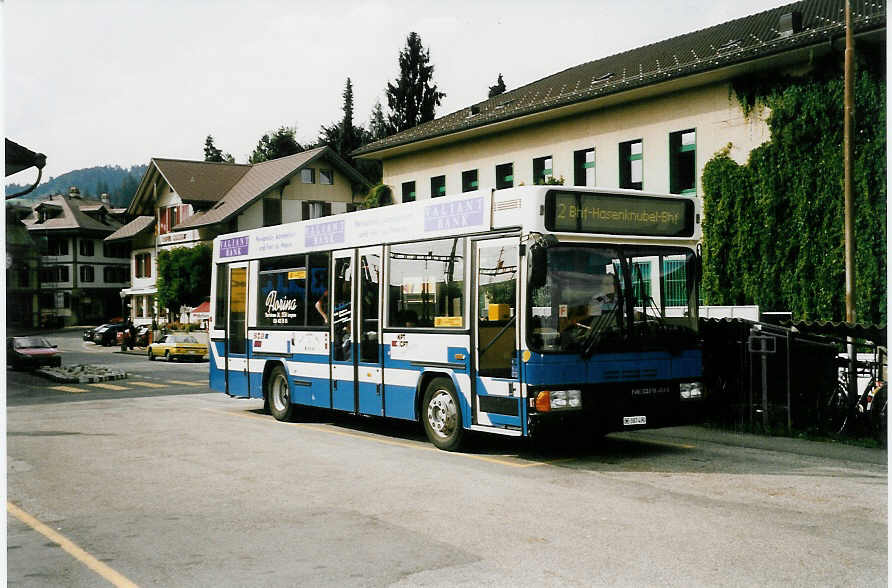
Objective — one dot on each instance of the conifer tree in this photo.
(413, 97)
(499, 88)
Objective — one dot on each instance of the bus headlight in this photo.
(548, 400)
(690, 390)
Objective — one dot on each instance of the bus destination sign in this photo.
(619, 214)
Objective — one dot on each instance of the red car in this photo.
(31, 352)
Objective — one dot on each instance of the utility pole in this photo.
(848, 158)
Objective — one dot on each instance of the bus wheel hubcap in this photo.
(441, 413)
(280, 393)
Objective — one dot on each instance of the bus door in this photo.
(343, 366)
(237, 376)
(497, 394)
(356, 370)
(370, 373)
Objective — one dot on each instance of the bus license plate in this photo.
(634, 420)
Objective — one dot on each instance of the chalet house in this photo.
(79, 275)
(183, 203)
(646, 119)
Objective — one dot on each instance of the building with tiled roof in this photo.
(79, 276)
(649, 118)
(181, 203)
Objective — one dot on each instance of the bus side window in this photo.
(318, 289)
(427, 284)
(221, 299)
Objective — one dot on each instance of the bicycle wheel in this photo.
(836, 410)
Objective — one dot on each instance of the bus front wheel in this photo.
(441, 414)
(278, 396)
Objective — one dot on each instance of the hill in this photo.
(119, 183)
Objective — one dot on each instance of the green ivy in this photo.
(773, 228)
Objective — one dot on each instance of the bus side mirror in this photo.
(538, 262)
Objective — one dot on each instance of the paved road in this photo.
(181, 489)
(145, 378)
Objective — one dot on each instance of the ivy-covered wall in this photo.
(773, 228)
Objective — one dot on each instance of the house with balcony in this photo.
(181, 203)
(79, 275)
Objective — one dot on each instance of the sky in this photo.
(101, 82)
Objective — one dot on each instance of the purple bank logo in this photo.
(234, 247)
(453, 215)
(324, 234)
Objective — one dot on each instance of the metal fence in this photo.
(766, 378)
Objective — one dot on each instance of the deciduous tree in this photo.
(276, 144)
(184, 276)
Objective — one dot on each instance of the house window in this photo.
(57, 246)
(86, 247)
(87, 273)
(438, 186)
(143, 263)
(326, 176)
(170, 216)
(683, 162)
(542, 169)
(584, 167)
(408, 191)
(314, 209)
(631, 164)
(272, 212)
(504, 176)
(53, 274)
(308, 175)
(469, 180)
(115, 274)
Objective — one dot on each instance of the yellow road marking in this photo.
(108, 386)
(396, 442)
(79, 554)
(146, 384)
(187, 383)
(68, 389)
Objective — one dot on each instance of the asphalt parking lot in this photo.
(177, 486)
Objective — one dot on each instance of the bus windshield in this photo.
(601, 298)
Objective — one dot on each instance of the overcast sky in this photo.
(92, 82)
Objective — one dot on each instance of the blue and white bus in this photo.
(498, 311)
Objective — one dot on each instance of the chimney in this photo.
(790, 23)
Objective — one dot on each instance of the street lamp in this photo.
(123, 297)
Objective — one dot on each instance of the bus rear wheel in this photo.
(441, 415)
(278, 396)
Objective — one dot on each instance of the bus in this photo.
(509, 312)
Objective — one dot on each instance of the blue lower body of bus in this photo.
(608, 392)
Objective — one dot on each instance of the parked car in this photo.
(107, 334)
(88, 333)
(171, 347)
(31, 352)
